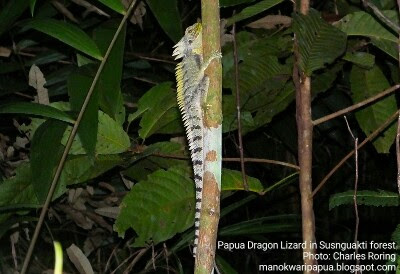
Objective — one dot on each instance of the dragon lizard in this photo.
(192, 87)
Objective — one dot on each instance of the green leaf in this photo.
(17, 193)
(233, 180)
(36, 109)
(224, 266)
(365, 84)
(141, 169)
(324, 81)
(319, 42)
(159, 207)
(263, 225)
(386, 46)
(396, 235)
(363, 24)
(78, 86)
(32, 4)
(110, 99)
(252, 10)
(115, 5)
(365, 197)
(111, 137)
(10, 12)
(17, 190)
(229, 3)
(160, 112)
(68, 34)
(362, 59)
(167, 15)
(46, 145)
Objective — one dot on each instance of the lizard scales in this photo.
(192, 86)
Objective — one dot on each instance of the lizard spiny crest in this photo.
(191, 85)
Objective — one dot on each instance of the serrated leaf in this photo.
(68, 34)
(159, 207)
(253, 10)
(115, 5)
(111, 137)
(362, 59)
(159, 109)
(233, 180)
(365, 84)
(364, 197)
(167, 15)
(36, 109)
(46, 145)
(319, 42)
(10, 12)
(109, 83)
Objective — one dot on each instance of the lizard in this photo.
(192, 87)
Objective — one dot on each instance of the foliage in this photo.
(128, 172)
(365, 197)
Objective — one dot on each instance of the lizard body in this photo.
(192, 86)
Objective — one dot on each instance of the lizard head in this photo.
(190, 43)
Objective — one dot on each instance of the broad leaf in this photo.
(233, 180)
(365, 84)
(10, 12)
(159, 111)
(36, 109)
(17, 193)
(167, 15)
(363, 24)
(253, 10)
(115, 5)
(110, 99)
(364, 197)
(68, 34)
(111, 137)
(46, 145)
(17, 190)
(159, 207)
(319, 43)
(78, 87)
(362, 59)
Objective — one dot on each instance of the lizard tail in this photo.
(196, 148)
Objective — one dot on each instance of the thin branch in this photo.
(69, 143)
(356, 106)
(252, 160)
(355, 194)
(382, 17)
(369, 138)
(235, 56)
